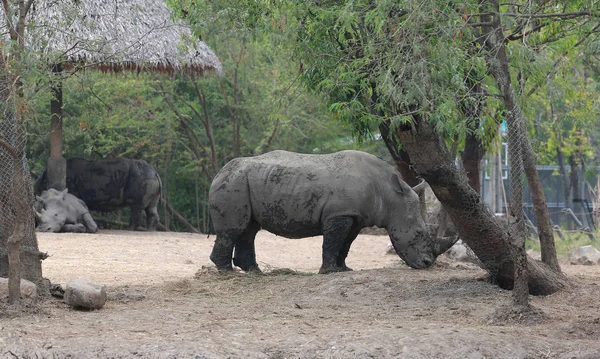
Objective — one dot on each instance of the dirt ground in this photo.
(165, 301)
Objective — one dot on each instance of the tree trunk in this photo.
(473, 152)
(180, 218)
(577, 184)
(564, 176)
(402, 160)
(400, 157)
(57, 165)
(471, 159)
(498, 65)
(475, 223)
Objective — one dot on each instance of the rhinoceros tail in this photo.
(159, 186)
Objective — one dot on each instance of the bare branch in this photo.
(10, 149)
(561, 15)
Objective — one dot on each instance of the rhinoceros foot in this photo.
(246, 266)
(325, 270)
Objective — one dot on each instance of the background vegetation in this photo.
(280, 90)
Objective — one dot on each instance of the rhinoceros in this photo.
(300, 195)
(60, 211)
(107, 185)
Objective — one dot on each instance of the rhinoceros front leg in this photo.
(73, 228)
(341, 262)
(337, 238)
(222, 253)
(245, 253)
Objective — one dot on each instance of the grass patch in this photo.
(287, 271)
(572, 240)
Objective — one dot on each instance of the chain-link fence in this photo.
(517, 142)
(16, 198)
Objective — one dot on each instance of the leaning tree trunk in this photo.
(475, 223)
(402, 160)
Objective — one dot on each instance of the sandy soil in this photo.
(166, 302)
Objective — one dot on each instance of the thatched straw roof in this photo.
(117, 34)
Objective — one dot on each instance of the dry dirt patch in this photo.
(160, 308)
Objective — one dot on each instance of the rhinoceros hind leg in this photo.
(151, 218)
(152, 212)
(222, 253)
(336, 232)
(89, 223)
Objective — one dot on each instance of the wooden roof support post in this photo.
(57, 165)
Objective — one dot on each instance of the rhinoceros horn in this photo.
(420, 187)
(443, 244)
(37, 214)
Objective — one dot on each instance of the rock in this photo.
(586, 255)
(28, 289)
(83, 294)
(535, 255)
(390, 249)
(460, 252)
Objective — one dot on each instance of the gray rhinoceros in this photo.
(60, 211)
(106, 185)
(300, 195)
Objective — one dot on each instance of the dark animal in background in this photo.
(297, 195)
(107, 185)
(60, 211)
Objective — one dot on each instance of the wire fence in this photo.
(14, 190)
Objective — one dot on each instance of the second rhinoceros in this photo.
(300, 195)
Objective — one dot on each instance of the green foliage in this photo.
(145, 116)
(313, 76)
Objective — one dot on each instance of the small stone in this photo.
(586, 255)
(83, 294)
(28, 289)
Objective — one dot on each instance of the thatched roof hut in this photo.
(114, 35)
(110, 35)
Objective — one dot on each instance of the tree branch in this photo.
(542, 16)
(10, 149)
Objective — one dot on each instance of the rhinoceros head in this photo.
(52, 214)
(409, 233)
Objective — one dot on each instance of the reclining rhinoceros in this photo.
(298, 195)
(60, 211)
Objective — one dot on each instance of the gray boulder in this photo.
(28, 289)
(462, 253)
(83, 294)
(586, 255)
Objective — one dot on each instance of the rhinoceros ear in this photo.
(396, 185)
